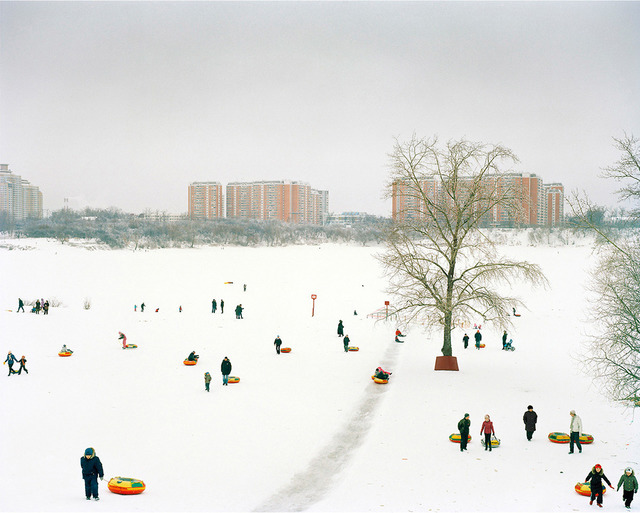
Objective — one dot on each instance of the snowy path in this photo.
(311, 485)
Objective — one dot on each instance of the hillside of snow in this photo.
(308, 430)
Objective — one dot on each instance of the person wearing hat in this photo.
(463, 427)
(207, 380)
(629, 485)
(530, 418)
(91, 470)
(225, 368)
(596, 476)
(345, 343)
(575, 430)
(277, 342)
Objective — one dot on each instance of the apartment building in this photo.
(18, 198)
(205, 200)
(531, 202)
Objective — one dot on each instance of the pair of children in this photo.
(628, 482)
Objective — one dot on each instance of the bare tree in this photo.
(613, 353)
(441, 267)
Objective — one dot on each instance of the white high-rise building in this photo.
(18, 198)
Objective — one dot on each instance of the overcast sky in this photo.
(124, 104)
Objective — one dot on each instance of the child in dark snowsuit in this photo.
(22, 361)
(596, 476)
(346, 341)
(629, 485)
(91, 470)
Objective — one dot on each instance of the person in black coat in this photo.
(193, 357)
(465, 339)
(277, 342)
(478, 337)
(530, 418)
(225, 368)
(91, 470)
(504, 339)
(340, 329)
(20, 305)
(345, 342)
(463, 426)
(596, 476)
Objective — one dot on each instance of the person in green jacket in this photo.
(207, 380)
(629, 485)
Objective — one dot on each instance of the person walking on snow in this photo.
(596, 476)
(629, 485)
(463, 427)
(207, 380)
(11, 360)
(22, 361)
(530, 418)
(91, 470)
(340, 329)
(465, 339)
(20, 305)
(142, 307)
(487, 429)
(346, 341)
(575, 430)
(123, 337)
(478, 337)
(214, 306)
(504, 339)
(277, 342)
(221, 306)
(225, 368)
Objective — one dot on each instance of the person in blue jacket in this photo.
(91, 471)
(11, 360)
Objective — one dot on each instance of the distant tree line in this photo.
(119, 229)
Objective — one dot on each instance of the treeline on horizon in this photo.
(118, 229)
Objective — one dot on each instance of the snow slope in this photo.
(307, 430)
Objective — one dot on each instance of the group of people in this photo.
(225, 369)
(11, 360)
(506, 345)
(628, 480)
(214, 306)
(39, 305)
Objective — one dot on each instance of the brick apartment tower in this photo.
(205, 200)
(555, 203)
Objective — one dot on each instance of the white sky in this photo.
(124, 104)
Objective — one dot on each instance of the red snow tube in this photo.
(233, 379)
(285, 350)
(190, 362)
(585, 489)
(67, 353)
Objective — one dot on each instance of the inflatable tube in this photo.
(585, 438)
(190, 362)
(126, 486)
(285, 350)
(379, 381)
(481, 345)
(495, 442)
(66, 353)
(585, 489)
(130, 346)
(559, 438)
(233, 379)
(354, 348)
(456, 438)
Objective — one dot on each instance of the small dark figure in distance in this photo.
(20, 305)
(11, 360)
(91, 471)
(123, 337)
(465, 339)
(629, 485)
(45, 308)
(142, 307)
(530, 418)
(345, 342)
(222, 306)
(463, 427)
(225, 368)
(207, 380)
(239, 312)
(193, 357)
(214, 306)
(399, 335)
(380, 373)
(22, 361)
(277, 342)
(504, 339)
(340, 329)
(478, 337)
(596, 476)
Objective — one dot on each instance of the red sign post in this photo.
(386, 309)
(313, 306)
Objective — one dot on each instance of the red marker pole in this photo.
(313, 306)
(386, 309)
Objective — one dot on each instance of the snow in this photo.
(307, 430)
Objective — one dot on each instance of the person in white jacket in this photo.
(575, 430)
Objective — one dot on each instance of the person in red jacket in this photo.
(487, 429)
(123, 337)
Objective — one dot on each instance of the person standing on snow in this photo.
(207, 380)
(346, 341)
(11, 360)
(20, 305)
(596, 476)
(575, 430)
(487, 429)
(530, 418)
(142, 307)
(214, 306)
(91, 470)
(463, 427)
(629, 485)
(22, 361)
(340, 329)
(478, 337)
(465, 339)
(123, 337)
(277, 342)
(504, 339)
(225, 368)
(222, 306)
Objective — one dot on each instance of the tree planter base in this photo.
(449, 363)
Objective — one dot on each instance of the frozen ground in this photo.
(303, 431)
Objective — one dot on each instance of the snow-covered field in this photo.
(307, 430)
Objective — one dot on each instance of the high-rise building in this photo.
(289, 201)
(531, 202)
(18, 198)
(205, 200)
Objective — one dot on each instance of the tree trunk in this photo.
(446, 346)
